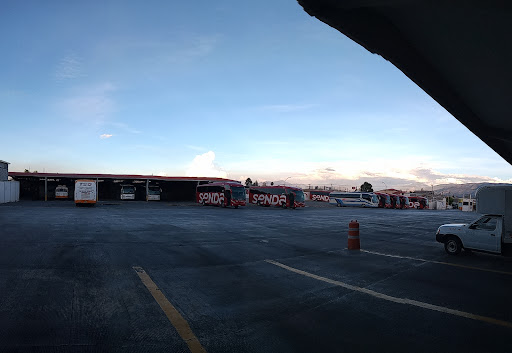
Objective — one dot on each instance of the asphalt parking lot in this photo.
(155, 277)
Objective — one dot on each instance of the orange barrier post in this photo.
(353, 236)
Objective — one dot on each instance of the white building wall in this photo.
(9, 191)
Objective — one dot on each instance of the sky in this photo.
(231, 89)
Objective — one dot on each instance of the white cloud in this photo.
(124, 127)
(203, 166)
(90, 105)
(200, 46)
(105, 136)
(195, 148)
(285, 108)
(178, 51)
(403, 173)
(70, 67)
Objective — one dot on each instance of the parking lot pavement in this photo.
(251, 279)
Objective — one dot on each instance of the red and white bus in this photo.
(319, 195)
(418, 202)
(395, 201)
(384, 200)
(404, 202)
(223, 194)
(283, 196)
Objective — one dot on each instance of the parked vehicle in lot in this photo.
(61, 192)
(384, 200)
(85, 192)
(223, 194)
(404, 201)
(395, 201)
(284, 196)
(418, 202)
(127, 192)
(492, 232)
(154, 192)
(354, 199)
(319, 195)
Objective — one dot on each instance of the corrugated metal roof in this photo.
(114, 176)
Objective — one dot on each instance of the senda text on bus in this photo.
(225, 194)
(283, 196)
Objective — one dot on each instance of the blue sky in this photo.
(218, 88)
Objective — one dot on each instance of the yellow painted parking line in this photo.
(395, 299)
(438, 262)
(180, 324)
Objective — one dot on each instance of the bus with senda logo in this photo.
(404, 201)
(384, 200)
(224, 194)
(319, 195)
(354, 199)
(418, 202)
(281, 196)
(395, 201)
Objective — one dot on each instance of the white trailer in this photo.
(85, 192)
(492, 232)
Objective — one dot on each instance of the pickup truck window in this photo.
(486, 223)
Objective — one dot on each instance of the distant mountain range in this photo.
(461, 190)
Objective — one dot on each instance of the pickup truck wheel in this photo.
(453, 246)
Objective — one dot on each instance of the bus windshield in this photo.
(154, 190)
(128, 189)
(299, 195)
(238, 192)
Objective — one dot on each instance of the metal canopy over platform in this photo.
(458, 52)
(41, 186)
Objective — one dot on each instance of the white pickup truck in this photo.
(492, 232)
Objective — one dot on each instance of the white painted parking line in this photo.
(438, 262)
(395, 299)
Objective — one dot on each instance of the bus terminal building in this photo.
(42, 186)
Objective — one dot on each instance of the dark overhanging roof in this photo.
(457, 51)
(112, 176)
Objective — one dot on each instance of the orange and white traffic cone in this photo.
(353, 236)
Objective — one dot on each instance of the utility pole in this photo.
(432, 195)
